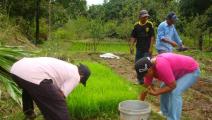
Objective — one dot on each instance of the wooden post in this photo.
(200, 42)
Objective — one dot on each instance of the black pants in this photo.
(139, 55)
(47, 97)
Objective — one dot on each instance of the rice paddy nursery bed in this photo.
(101, 96)
(102, 46)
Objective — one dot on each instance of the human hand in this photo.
(61, 93)
(152, 91)
(182, 48)
(174, 44)
(143, 95)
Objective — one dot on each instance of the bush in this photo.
(110, 29)
(77, 28)
(124, 29)
(195, 29)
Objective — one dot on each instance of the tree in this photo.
(96, 31)
(27, 8)
(37, 11)
(96, 12)
(23, 8)
(193, 7)
(195, 10)
(74, 7)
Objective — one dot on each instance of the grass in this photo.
(118, 47)
(10, 110)
(65, 47)
(100, 98)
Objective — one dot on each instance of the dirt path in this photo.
(197, 101)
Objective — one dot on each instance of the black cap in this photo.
(86, 73)
(172, 16)
(142, 66)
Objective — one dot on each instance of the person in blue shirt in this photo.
(167, 36)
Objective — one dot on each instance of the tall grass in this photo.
(101, 96)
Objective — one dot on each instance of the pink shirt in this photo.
(63, 74)
(170, 67)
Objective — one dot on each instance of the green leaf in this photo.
(8, 56)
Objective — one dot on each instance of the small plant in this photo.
(96, 32)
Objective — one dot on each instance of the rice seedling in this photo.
(101, 96)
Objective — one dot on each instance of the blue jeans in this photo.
(171, 103)
(139, 54)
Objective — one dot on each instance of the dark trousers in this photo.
(47, 97)
(139, 54)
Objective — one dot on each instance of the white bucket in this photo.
(134, 110)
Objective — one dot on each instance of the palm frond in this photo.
(9, 55)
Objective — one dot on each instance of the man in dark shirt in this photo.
(142, 37)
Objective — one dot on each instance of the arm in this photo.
(132, 41)
(132, 44)
(162, 36)
(144, 92)
(152, 38)
(69, 85)
(147, 85)
(151, 44)
(163, 90)
(166, 40)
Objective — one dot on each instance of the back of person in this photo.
(167, 32)
(47, 81)
(180, 64)
(37, 69)
(176, 72)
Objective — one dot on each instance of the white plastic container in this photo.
(134, 110)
